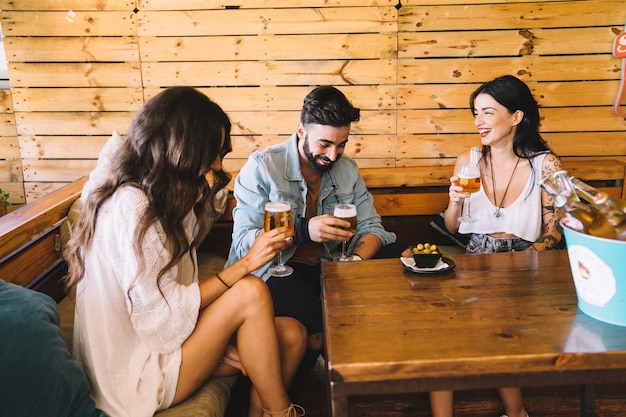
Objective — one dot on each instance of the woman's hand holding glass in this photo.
(278, 214)
(267, 246)
(469, 181)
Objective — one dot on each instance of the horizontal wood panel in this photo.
(359, 146)
(274, 47)
(505, 42)
(547, 94)
(553, 120)
(69, 23)
(66, 123)
(254, 4)
(15, 189)
(7, 124)
(9, 148)
(77, 99)
(244, 123)
(55, 170)
(371, 97)
(65, 5)
(35, 190)
(544, 14)
(547, 68)
(88, 147)
(6, 101)
(62, 147)
(410, 204)
(75, 75)
(600, 144)
(253, 73)
(66, 49)
(10, 170)
(267, 21)
(593, 170)
(407, 177)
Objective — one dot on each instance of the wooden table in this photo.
(508, 319)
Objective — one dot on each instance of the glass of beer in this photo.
(469, 179)
(278, 214)
(345, 212)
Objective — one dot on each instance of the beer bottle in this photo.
(593, 221)
(589, 193)
(613, 213)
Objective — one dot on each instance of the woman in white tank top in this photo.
(512, 212)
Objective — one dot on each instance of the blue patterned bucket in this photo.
(599, 271)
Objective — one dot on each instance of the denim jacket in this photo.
(274, 174)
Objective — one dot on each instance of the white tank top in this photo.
(522, 218)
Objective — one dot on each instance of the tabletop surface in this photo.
(496, 316)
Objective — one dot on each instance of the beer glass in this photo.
(278, 214)
(345, 212)
(469, 179)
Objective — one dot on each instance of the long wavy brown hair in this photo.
(171, 144)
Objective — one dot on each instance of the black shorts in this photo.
(298, 296)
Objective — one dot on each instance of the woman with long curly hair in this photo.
(147, 332)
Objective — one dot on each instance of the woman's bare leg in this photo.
(292, 337)
(245, 309)
(441, 403)
(512, 400)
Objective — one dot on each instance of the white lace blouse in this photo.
(128, 331)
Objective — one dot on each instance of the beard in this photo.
(314, 158)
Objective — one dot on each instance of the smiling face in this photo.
(496, 125)
(321, 145)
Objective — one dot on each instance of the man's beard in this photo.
(313, 158)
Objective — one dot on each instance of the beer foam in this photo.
(345, 212)
(277, 206)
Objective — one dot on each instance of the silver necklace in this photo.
(493, 187)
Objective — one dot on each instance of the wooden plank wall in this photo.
(79, 69)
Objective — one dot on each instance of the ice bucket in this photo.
(599, 271)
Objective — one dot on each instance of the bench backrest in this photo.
(423, 190)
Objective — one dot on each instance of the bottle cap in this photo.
(560, 200)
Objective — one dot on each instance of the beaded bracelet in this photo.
(221, 280)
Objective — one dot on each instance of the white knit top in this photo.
(522, 218)
(127, 331)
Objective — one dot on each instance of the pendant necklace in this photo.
(493, 185)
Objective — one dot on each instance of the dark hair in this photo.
(514, 94)
(171, 144)
(326, 105)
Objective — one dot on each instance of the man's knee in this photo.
(316, 341)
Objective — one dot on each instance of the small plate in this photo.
(444, 265)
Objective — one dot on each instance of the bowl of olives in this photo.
(426, 255)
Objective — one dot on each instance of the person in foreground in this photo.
(513, 213)
(146, 331)
(311, 172)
